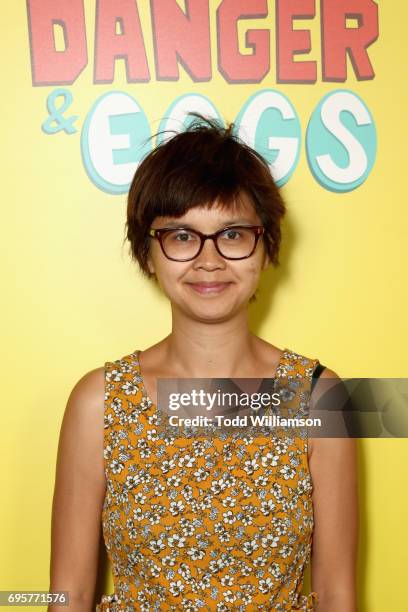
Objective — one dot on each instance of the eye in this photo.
(231, 234)
(182, 236)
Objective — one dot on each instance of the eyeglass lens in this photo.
(185, 244)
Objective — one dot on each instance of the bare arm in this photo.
(333, 467)
(78, 495)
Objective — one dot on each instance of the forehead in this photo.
(240, 210)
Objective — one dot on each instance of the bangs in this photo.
(189, 174)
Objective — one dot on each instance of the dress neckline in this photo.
(149, 400)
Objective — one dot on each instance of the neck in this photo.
(216, 349)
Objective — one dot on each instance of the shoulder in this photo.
(90, 388)
(85, 406)
(330, 378)
(323, 451)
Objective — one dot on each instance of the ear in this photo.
(150, 266)
(266, 261)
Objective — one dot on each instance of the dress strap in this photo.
(316, 373)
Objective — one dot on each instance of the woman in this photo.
(196, 522)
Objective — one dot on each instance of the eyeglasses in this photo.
(185, 244)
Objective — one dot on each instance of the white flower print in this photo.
(129, 388)
(287, 472)
(138, 514)
(275, 570)
(217, 486)
(168, 561)
(250, 546)
(267, 507)
(229, 517)
(176, 588)
(176, 507)
(166, 466)
(116, 467)
(156, 545)
(285, 551)
(145, 403)
(114, 375)
(176, 540)
(140, 498)
(270, 541)
(251, 466)
(229, 596)
(187, 527)
(265, 586)
(247, 519)
(155, 570)
(261, 481)
(201, 474)
(279, 526)
(229, 502)
(196, 553)
(281, 446)
(186, 461)
(269, 460)
(260, 561)
(227, 580)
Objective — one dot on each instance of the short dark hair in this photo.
(204, 164)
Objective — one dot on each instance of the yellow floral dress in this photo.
(203, 523)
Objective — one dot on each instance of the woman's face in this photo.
(184, 283)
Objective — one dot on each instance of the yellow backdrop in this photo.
(72, 299)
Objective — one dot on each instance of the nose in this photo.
(209, 258)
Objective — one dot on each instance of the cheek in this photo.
(168, 274)
(250, 273)
(255, 265)
(163, 275)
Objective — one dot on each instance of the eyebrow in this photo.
(235, 221)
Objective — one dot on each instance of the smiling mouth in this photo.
(205, 288)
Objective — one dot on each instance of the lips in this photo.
(205, 288)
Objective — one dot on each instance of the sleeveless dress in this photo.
(199, 523)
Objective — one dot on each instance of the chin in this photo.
(212, 312)
(211, 318)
